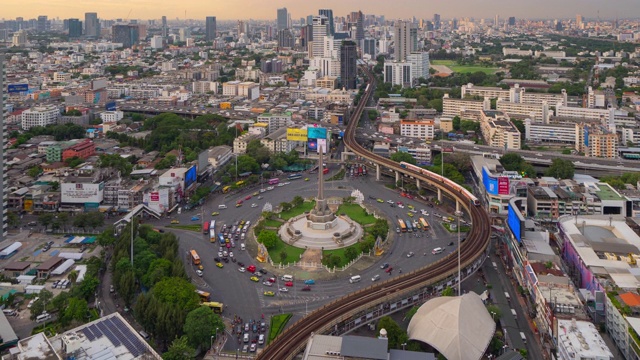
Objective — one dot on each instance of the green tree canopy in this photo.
(561, 169)
(268, 238)
(395, 334)
(400, 156)
(176, 291)
(201, 325)
(180, 350)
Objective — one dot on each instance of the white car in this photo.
(287, 183)
(390, 202)
(410, 254)
(254, 205)
(270, 188)
(267, 283)
(414, 211)
(281, 185)
(262, 190)
(199, 273)
(242, 269)
(401, 206)
(284, 289)
(220, 254)
(230, 253)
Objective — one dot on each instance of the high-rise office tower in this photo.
(75, 28)
(329, 14)
(356, 18)
(285, 39)
(348, 58)
(579, 21)
(128, 35)
(210, 28)
(42, 24)
(436, 21)
(3, 183)
(405, 38)
(496, 20)
(283, 19)
(165, 29)
(319, 32)
(91, 25)
(369, 47)
(512, 21)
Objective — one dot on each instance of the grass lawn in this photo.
(293, 253)
(192, 227)
(443, 62)
(471, 69)
(277, 324)
(463, 228)
(306, 206)
(273, 223)
(357, 213)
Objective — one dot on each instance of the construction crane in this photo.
(127, 18)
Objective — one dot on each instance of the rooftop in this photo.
(583, 339)
(606, 192)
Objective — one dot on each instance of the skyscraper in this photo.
(210, 28)
(329, 14)
(356, 18)
(42, 24)
(165, 29)
(91, 25)
(283, 19)
(285, 39)
(369, 47)
(319, 32)
(3, 184)
(128, 35)
(405, 38)
(436, 21)
(75, 28)
(496, 20)
(512, 21)
(348, 58)
(579, 23)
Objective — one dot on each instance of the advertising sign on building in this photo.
(80, 193)
(297, 134)
(111, 106)
(503, 185)
(313, 144)
(190, 177)
(17, 88)
(157, 200)
(490, 182)
(316, 133)
(322, 145)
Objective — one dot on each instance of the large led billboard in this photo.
(514, 222)
(322, 145)
(190, 177)
(297, 134)
(495, 185)
(313, 144)
(316, 133)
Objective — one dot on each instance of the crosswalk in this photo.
(287, 299)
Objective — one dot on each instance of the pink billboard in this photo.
(503, 185)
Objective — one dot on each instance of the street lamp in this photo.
(458, 213)
(403, 346)
(493, 315)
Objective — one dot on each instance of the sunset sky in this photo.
(264, 9)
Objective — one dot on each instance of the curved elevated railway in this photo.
(292, 341)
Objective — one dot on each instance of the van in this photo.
(43, 317)
(245, 338)
(524, 338)
(376, 277)
(242, 246)
(179, 210)
(506, 294)
(495, 266)
(144, 335)
(261, 339)
(514, 313)
(287, 278)
(9, 312)
(222, 206)
(437, 250)
(355, 279)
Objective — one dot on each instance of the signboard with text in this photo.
(297, 134)
(80, 193)
(17, 88)
(503, 185)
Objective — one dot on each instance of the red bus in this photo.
(274, 181)
(325, 171)
(205, 227)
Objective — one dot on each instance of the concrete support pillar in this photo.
(377, 172)
(439, 196)
(457, 206)
(418, 184)
(397, 177)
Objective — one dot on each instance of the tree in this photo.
(268, 238)
(127, 286)
(95, 219)
(512, 161)
(448, 291)
(13, 219)
(561, 169)
(45, 219)
(39, 306)
(34, 171)
(179, 350)
(411, 312)
(76, 310)
(177, 291)
(495, 312)
(63, 219)
(297, 201)
(283, 256)
(400, 156)
(200, 325)
(73, 276)
(395, 334)
(285, 206)
(350, 253)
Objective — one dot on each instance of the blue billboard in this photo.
(110, 106)
(316, 133)
(17, 88)
(490, 182)
(513, 220)
(190, 177)
(313, 144)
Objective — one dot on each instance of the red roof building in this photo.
(82, 150)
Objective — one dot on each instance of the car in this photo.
(200, 267)
(410, 207)
(175, 221)
(399, 203)
(410, 254)
(215, 213)
(251, 268)
(389, 201)
(254, 205)
(398, 230)
(220, 254)
(286, 183)
(281, 185)
(414, 211)
(199, 273)
(269, 293)
(424, 212)
(216, 259)
(270, 188)
(241, 264)
(306, 179)
(538, 154)
(410, 214)
(288, 284)
(309, 282)
(267, 283)
(375, 277)
(242, 269)
(263, 271)
(253, 347)
(284, 289)
(389, 269)
(220, 265)
(255, 278)
(380, 200)
(248, 197)
(195, 218)
(260, 197)
(238, 205)
(450, 244)
(306, 288)
(230, 253)
(111, 289)
(384, 266)
(401, 206)
(262, 190)
(245, 348)
(256, 193)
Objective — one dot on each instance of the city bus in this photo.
(409, 226)
(294, 176)
(424, 223)
(212, 235)
(212, 225)
(205, 227)
(274, 181)
(204, 296)
(195, 257)
(226, 189)
(217, 307)
(403, 227)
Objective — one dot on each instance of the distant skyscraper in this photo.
(210, 28)
(75, 28)
(319, 32)
(128, 35)
(436, 21)
(348, 58)
(512, 21)
(405, 39)
(496, 20)
(329, 14)
(369, 47)
(356, 18)
(285, 39)
(579, 22)
(91, 25)
(283, 19)
(3, 167)
(42, 24)
(165, 29)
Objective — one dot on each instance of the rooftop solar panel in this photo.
(88, 334)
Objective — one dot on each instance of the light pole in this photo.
(403, 346)
(132, 224)
(306, 310)
(458, 213)
(493, 315)
(212, 337)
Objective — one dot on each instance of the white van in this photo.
(222, 206)
(514, 313)
(437, 250)
(43, 317)
(9, 312)
(524, 338)
(245, 338)
(261, 339)
(506, 294)
(355, 279)
(287, 278)
(242, 246)
(495, 266)
(179, 210)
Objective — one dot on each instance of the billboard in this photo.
(190, 177)
(313, 144)
(297, 134)
(157, 200)
(316, 133)
(513, 220)
(80, 193)
(110, 106)
(17, 88)
(322, 145)
(503, 185)
(490, 182)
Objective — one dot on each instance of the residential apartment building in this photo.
(550, 133)
(111, 116)
(277, 142)
(328, 82)
(499, 131)
(585, 113)
(422, 129)
(455, 107)
(536, 112)
(275, 121)
(41, 115)
(421, 154)
(230, 88)
(398, 73)
(81, 150)
(240, 143)
(516, 94)
(596, 141)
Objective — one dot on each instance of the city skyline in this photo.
(254, 9)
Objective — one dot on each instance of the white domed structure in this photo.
(459, 327)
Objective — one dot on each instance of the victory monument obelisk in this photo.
(321, 212)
